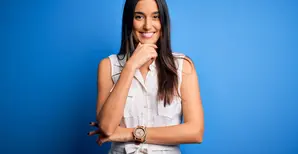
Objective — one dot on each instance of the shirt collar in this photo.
(122, 61)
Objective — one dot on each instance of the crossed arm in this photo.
(191, 131)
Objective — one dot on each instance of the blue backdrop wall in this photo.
(245, 53)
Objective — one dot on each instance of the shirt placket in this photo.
(148, 121)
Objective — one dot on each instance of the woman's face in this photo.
(146, 24)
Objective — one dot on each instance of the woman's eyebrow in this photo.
(156, 12)
(138, 12)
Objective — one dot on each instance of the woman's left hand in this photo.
(120, 135)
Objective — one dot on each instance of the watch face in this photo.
(140, 133)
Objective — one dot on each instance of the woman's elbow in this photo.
(199, 139)
(104, 127)
(199, 136)
(106, 130)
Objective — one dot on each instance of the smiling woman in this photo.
(146, 24)
(145, 89)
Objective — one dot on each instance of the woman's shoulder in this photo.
(107, 61)
(111, 56)
(116, 59)
(184, 62)
(178, 54)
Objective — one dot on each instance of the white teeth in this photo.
(147, 35)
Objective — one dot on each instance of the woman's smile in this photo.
(147, 35)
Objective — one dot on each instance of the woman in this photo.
(145, 89)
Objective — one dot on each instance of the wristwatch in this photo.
(139, 134)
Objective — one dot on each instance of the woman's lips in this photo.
(147, 34)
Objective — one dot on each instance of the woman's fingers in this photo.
(154, 54)
(101, 139)
(151, 45)
(98, 140)
(139, 45)
(94, 132)
(98, 131)
(95, 124)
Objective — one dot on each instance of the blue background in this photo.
(245, 53)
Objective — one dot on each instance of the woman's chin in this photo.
(148, 42)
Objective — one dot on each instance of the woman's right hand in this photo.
(142, 54)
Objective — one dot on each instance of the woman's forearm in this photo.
(178, 134)
(111, 112)
(172, 135)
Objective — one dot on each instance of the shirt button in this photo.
(144, 150)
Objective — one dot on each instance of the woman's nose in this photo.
(148, 24)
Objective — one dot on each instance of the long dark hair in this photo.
(167, 71)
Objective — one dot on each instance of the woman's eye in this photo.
(138, 17)
(156, 17)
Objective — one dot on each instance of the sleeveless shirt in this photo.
(143, 108)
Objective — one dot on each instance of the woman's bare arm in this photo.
(110, 105)
(191, 131)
